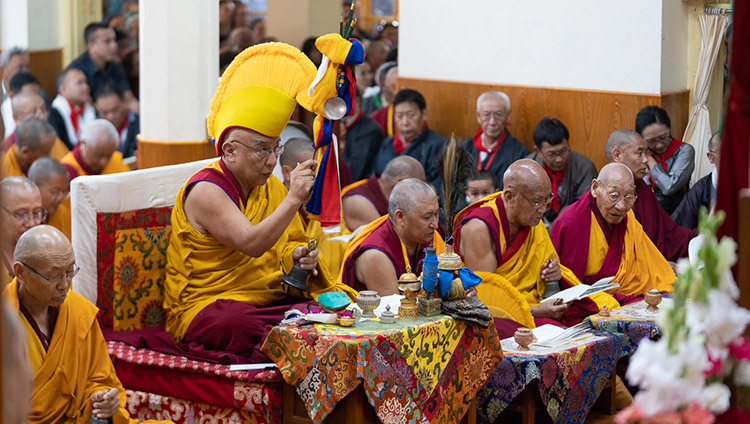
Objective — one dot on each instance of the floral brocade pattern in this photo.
(570, 380)
(145, 406)
(425, 372)
(131, 249)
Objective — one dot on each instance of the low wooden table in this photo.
(566, 382)
(420, 370)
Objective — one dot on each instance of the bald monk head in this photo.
(17, 377)
(34, 139)
(614, 191)
(53, 181)
(296, 150)
(413, 210)
(22, 209)
(629, 148)
(98, 142)
(44, 264)
(359, 210)
(28, 104)
(398, 169)
(526, 194)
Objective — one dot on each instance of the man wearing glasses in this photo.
(569, 172)
(598, 236)
(236, 230)
(629, 148)
(73, 375)
(22, 209)
(502, 238)
(493, 148)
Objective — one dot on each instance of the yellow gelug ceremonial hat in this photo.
(259, 91)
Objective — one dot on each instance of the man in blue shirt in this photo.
(99, 62)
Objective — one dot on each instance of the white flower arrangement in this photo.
(689, 367)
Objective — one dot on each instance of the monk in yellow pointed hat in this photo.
(236, 229)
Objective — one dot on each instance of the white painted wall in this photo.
(14, 23)
(45, 30)
(34, 24)
(610, 45)
(179, 68)
(674, 46)
(293, 21)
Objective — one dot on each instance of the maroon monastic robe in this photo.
(671, 239)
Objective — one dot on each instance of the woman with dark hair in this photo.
(670, 161)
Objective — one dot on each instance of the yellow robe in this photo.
(522, 272)
(75, 367)
(114, 165)
(331, 252)
(642, 266)
(202, 270)
(11, 167)
(61, 218)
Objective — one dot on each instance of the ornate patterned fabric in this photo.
(131, 261)
(570, 380)
(422, 370)
(199, 385)
(144, 405)
(632, 320)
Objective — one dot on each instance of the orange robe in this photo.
(519, 264)
(75, 366)
(61, 218)
(202, 270)
(630, 255)
(11, 167)
(114, 165)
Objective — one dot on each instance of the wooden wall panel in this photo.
(46, 65)
(589, 115)
(152, 153)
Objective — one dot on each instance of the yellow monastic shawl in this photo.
(522, 272)
(202, 270)
(61, 218)
(331, 252)
(642, 266)
(356, 241)
(10, 166)
(114, 165)
(76, 366)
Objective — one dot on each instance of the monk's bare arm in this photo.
(376, 272)
(477, 247)
(358, 211)
(210, 210)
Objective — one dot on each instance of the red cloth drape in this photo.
(735, 145)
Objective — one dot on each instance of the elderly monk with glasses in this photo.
(74, 379)
(502, 239)
(21, 204)
(236, 229)
(599, 236)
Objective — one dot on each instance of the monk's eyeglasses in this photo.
(616, 197)
(56, 279)
(536, 203)
(262, 152)
(38, 216)
(498, 115)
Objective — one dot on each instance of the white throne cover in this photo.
(89, 195)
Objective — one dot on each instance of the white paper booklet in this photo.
(583, 291)
(551, 336)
